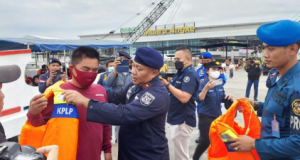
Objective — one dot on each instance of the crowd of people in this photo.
(138, 100)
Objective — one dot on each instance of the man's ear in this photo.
(155, 72)
(294, 49)
(72, 70)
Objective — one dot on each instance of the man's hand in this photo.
(164, 81)
(71, 96)
(229, 96)
(52, 74)
(107, 156)
(242, 144)
(37, 104)
(63, 76)
(116, 63)
(52, 151)
(240, 108)
(247, 99)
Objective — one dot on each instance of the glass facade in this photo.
(198, 42)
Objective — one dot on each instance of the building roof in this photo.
(213, 31)
(37, 44)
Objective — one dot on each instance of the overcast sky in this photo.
(69, 18)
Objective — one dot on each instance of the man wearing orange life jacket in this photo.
(93, 137)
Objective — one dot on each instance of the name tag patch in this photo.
(294, 123)
(64, 111)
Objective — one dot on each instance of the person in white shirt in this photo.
(231, 68)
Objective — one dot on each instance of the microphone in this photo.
(9, 73)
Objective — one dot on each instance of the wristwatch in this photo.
(167, 86)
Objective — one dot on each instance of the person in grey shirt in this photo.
(119, 80)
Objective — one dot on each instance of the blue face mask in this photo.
(110, 69)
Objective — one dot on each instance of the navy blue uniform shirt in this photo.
(141, 114)
(271, 74)
(283, 101)
(187, 81)
(43, 80)
(210, 106)
(202, 76)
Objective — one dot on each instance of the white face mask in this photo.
(214, 74)
(110, 69)
(199, 65)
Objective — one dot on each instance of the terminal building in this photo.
(191, 34)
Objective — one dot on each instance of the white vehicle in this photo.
(17, 93)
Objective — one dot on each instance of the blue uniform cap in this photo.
(125, 54)
(54, 60)
(149, 57)
(281, 33)
(205, 55)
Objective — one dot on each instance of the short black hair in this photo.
(110, 61)
(298, 44)
(44, 66)
(181, 48)
(83, 52)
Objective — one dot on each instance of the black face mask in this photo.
(179, 65)
(251, 62)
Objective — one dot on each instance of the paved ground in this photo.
(235, 86)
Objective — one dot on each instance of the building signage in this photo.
(127, 30)
(165, 29)
(172, 30)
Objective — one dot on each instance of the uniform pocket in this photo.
(211, 93)
(274, 107)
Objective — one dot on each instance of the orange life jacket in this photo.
(225, 126)
(61, 129)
